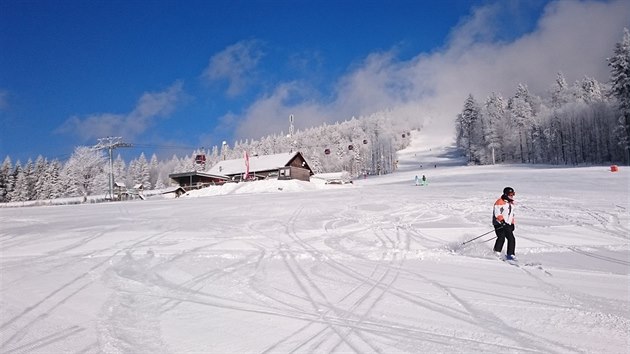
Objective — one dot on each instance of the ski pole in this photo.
(482, 235)
(490, 239)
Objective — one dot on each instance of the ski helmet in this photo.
(508, 190)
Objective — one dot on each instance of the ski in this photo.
(513, 262)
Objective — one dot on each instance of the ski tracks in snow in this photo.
(368, 277)
(129, 320)
(19, 327)
(338, 318)
(352, 322)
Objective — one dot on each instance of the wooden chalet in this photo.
(285, 166)
(197, 179)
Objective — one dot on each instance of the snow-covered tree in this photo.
(139, 172)
(52, 186)
(560, 97)
(153, 171)
(620, 87)
(6, 180)
(588, 90)
(160, 181)
(119, 166)
(470, 129)
(493, 114)
(82, 169)
(560, 92)
(21, 188)
(521, 113)
(39, 178)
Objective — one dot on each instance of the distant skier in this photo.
(417, 180)
(503, 221)
(424, 180)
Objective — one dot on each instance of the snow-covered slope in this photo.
(375, 266)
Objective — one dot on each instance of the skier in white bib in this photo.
(503, 222)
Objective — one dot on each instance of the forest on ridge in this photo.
(584, 123)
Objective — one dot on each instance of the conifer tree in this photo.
(82, 169)
(20, 193)
(560, 96)
(470, 129)
(159, 184)
(6, 185)
(20, 187)
(140, 173)
(40, 179)
(52, 185)
(620, 80)
(521, 113)
(153, 171)
(494, 127)
(589, 90)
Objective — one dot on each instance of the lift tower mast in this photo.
(291, 129)
(110, 143)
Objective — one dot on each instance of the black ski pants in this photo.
(504, 232)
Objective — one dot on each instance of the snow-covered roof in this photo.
(256, 163)
(197, 173)
(171, 189)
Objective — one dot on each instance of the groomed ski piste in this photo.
(376, 266)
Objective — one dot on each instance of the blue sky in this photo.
(194, 73)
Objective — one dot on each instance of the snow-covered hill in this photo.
(373, 266)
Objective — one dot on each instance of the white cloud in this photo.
(270, 114)
(573, 37)
(150, 107)
(236, 64)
